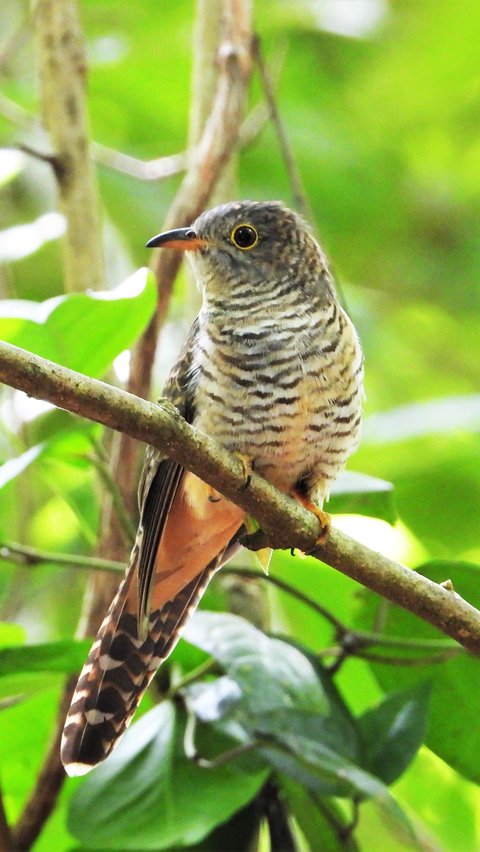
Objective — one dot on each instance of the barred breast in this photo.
(283, 387)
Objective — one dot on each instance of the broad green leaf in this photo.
(338, 729)
(271, 674)
(149, 796)
(281, 695)
(25, 731)
(359, 494)
(82, 331)
(320, 768)
(393, 731)
(453, 731)
(66, 655)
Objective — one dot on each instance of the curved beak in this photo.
(185, 239)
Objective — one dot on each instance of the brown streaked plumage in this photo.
(273, 370)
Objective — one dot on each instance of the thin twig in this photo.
(157, 169)
(335, 667)
(21, 554)
(283, 522)
(111, 487)
(327, 812)
(13, 42)
(355, 640)
(191, 676)
(290, 590)
(348, 830)
(191, 752)
(404, 643)
(409, 662)
(299, 194)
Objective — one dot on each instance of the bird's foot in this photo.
(323, 517)
(248, 464)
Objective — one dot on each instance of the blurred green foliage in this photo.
(380, 100)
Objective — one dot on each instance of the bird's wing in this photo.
(160, 480)
(182, 539)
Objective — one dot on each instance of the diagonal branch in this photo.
(284, 523)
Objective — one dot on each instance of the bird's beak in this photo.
(185, 239)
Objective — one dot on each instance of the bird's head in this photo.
(247, 245)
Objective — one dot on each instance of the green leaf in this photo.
(429, 475)
(317, 769)
(11, 634)
(213, 700)
(338, 728)
(271, 674)
(320, 768)
(66, 655)
(359, 494)
(25, 731)
(82, 331)
(281, 698)
(453, 731)
(393, 731)
(149, 796)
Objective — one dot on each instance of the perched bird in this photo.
(273, 370)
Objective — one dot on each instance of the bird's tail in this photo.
(119, 668)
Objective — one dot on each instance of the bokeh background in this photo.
(381, 104)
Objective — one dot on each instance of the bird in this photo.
(273, 370)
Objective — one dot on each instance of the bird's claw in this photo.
(248, 464)
(323, 518)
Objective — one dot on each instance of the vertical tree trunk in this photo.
(62, 71)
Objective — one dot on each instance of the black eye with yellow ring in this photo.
(244, 237)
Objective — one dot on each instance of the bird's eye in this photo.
(244, 237)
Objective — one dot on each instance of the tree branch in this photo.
(22, 554)
(62, 70)
(284, 523)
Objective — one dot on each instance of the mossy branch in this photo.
(284, 523)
